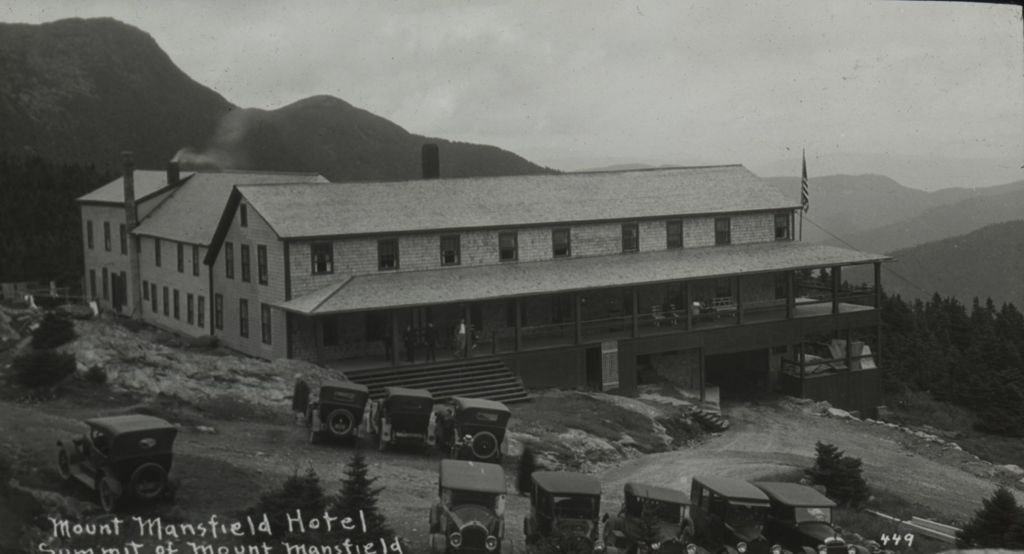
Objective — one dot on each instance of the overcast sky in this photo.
(931, 93)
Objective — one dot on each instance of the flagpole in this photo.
(804, 192)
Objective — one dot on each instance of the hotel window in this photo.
(106, 284)
(246, 270)
(723, 230)
(561, 243)
(387, 254)
(218, 311)
(152, 297)
(124, 239)
(167, 301)
(177, 305)
(508, 246)
(200, 311)
(323, 257)
(181, 258)
(261, 264)
(145, 290)
(92, 283)
(723, 288)
(229, 260)
(195, 259)
(630, 237)
(781, 226)
(450, 250)
(265, 327)
(156, 251)
(106, 235)
(243, 216)
(674, 233)
(243, 317)
(190, 314)
(88, 233)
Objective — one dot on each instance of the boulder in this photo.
(1012, 469)
(840, 414)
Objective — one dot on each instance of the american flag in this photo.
(805, 199)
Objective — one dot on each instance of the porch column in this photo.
(878, 285)
(469, 332)
(849, 349)
(519, 324)
(394, 338)
(318, 337)
(790, 295)
(835, 289)
(577, 301)
(688, 304)
(703, 377)
(739, 300)
(636, 313)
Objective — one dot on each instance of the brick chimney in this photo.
(131, 220)
(173, 174)
(431, 161)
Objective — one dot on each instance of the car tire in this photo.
(148, 481)
(64, 464)
(108, 498)
(481, 443)
(341, 422)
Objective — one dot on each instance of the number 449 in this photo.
(896, 539)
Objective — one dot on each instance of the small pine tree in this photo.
(53, 332)
(993, 526)
(527, 465)
(358, 495)
(842, 476)
(298, 492)
(42, 368)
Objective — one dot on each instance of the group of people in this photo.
(429, 338)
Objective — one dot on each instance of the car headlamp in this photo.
(691, 548)
(776, 549)
(822, 549)
(455, 539)
(599, 546)
(850, 549)
(491, 542)
(741, 547)
(655, 546)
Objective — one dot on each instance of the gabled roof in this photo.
(472, 476)
(147, 183)
(193, 210)
(468, 283)
(370, 208)
(567, 482)
(795, 494)
(734, 489)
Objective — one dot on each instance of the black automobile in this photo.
(473, 429)
(728, 515)
(469, 515)
(121, 456)
(800, 518)
(667, 509)
(564, 511)
(337, 410)
(403, 415)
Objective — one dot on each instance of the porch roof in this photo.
(508, 280)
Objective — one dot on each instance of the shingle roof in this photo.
(193, 210)
(301, 210)
(146, 183)
(440, 286)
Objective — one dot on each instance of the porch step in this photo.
(476, 378)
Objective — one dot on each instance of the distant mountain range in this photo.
(86, 89)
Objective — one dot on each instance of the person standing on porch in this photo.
(409, 338)
(460, 339)
(431, 340)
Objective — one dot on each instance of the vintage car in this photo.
(121, 456)
(337, 410)
(473, 429)
(669, 507)
(800, 518)
(469, 515)
(564, 512)
(403, 415)
(728, 515)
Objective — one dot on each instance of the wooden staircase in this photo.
(475, 378)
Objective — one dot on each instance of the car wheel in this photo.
(484, 445)
(63, 464)
(108, 497)
(340, 422)
(148, 481)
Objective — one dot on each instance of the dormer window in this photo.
(782, 227)
(322, 254)
(450, 250)
(674, 233)
(723, 230)
(508, 246)
(561, 243)
(387, 254)
(630, 237)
